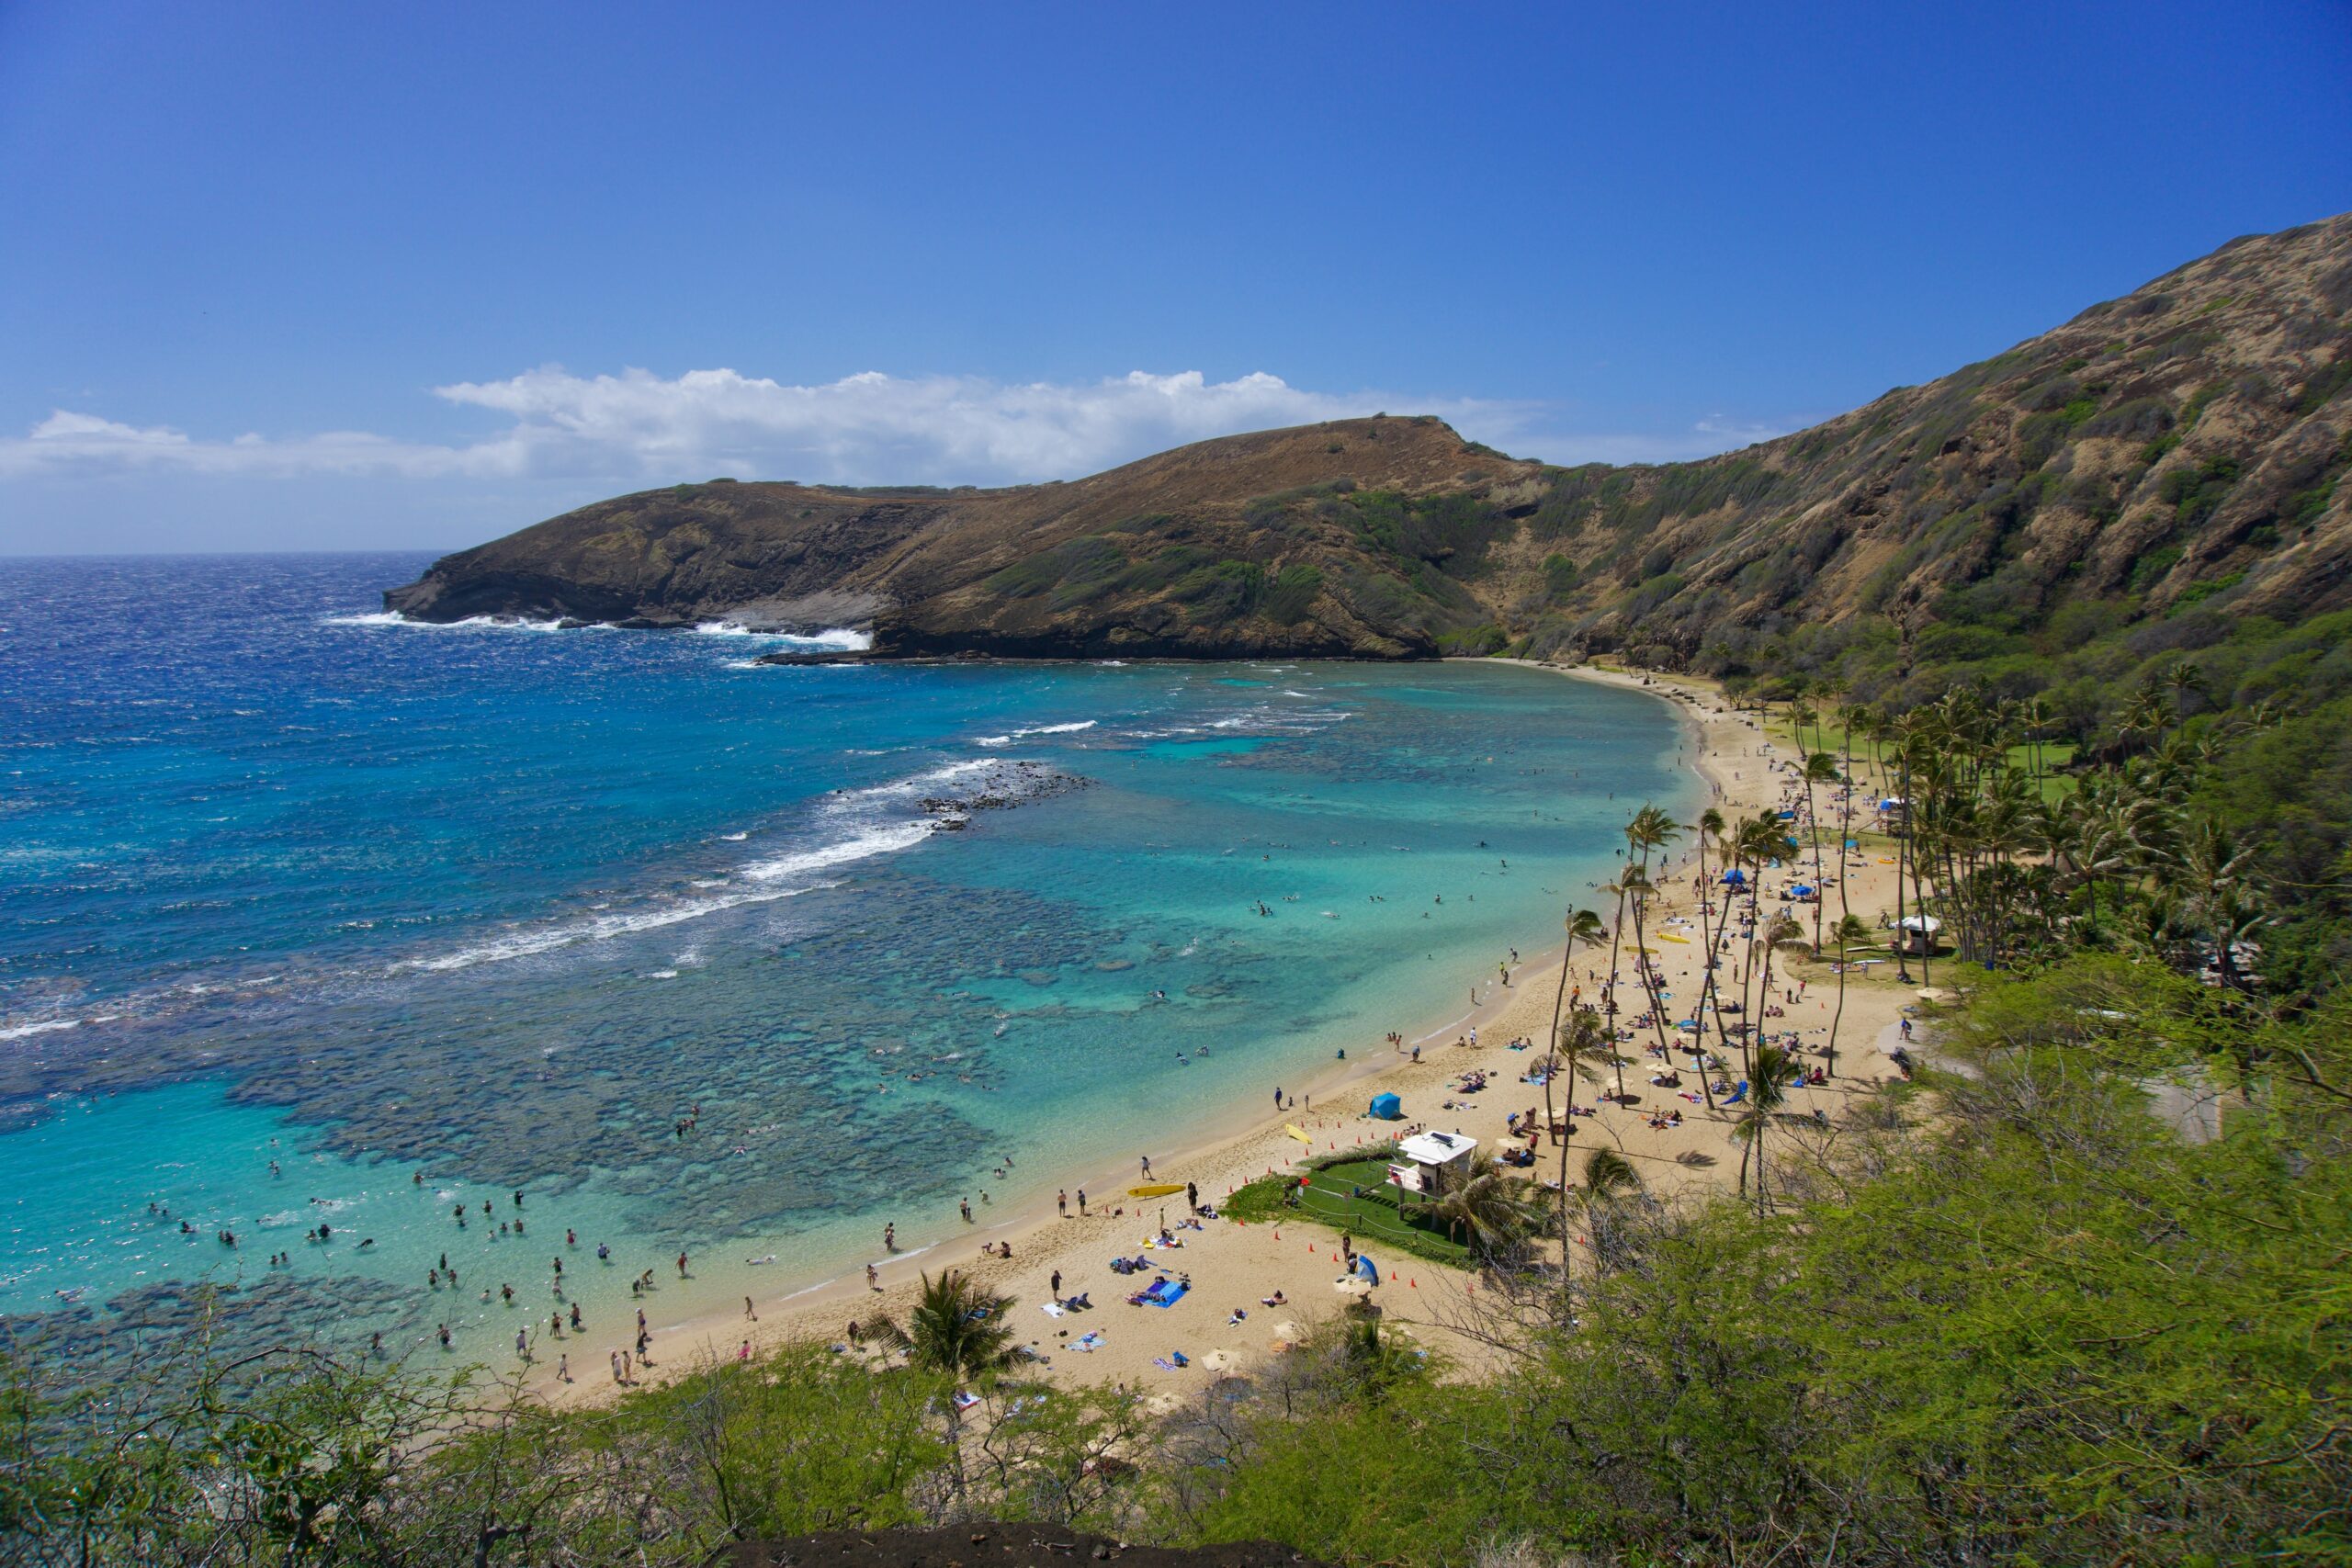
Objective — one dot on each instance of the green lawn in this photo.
(1354, 1197)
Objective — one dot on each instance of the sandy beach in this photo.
(1234, 1267)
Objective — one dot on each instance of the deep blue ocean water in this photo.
(283, 880)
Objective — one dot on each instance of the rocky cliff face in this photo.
(1197, 552)
(2186, 443)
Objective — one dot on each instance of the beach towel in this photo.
(1737, 1094)
(1051, 1309)
(965, 1401)
(1170, 1296)
(1091, 1341)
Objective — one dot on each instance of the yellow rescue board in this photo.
(1292, 1129)
(1159, 1190)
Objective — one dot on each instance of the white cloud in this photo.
(864, 429)
(67, 441)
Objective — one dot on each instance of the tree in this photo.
(1609, 1179)
(1767, 1094)
(1819, 769)
(1850, 933)
(957, 1326)
(964, 1330)
(1489, 1209)
(1585, 929)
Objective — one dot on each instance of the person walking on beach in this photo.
(1145, 1160)
(1082, 1202)
(748, 1312)
(616, 1356)
(1055, 1285)
(1061, 1202)
(873, 1278)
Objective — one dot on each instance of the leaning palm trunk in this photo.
(1609, 991)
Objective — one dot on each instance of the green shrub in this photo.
(1292, 593)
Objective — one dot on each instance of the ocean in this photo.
(310, 917)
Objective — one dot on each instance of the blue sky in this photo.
(327, 276)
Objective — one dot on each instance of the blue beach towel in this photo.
(1170, 1296)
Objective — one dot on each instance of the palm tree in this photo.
(1768, 1091)
(2181, 677)
(1820, 768)
(1710, 825)
(1489, 1209)
(959, 1326)
(1609, 1179)
(1848, 934)
(1633, 886)
(1761, 839)
(963, 1329)
(1627, 881)
(1581, 1033)
(1585, 927)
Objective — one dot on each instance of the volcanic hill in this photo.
(2184, 445)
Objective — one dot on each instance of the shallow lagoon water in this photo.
(501, 906)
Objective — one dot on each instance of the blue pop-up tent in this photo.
(1735, 877)
(1367, 1269)
(1388, 1107)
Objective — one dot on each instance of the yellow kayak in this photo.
(1668, 936)
(1159, 1190)
(1292, 1128)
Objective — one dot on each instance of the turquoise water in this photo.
(500, 906)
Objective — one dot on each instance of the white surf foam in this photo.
(1036, 729)
(837, 639)
(880, 840)
(47, 1026)
(471, 622)
(603, 928)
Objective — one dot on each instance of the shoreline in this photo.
(1233, 1145)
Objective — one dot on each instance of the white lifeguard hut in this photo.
(1915, 935)
(1432, 1163)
